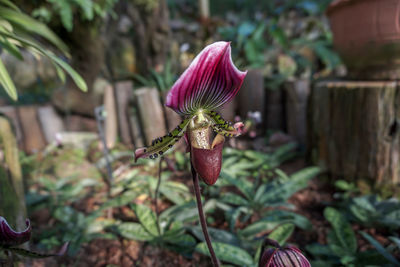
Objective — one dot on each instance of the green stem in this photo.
(156, 195)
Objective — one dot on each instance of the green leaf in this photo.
(181, 240)
(176, 192)
(60, 72)
(242, 184)
(87, 8)
(9, 4)
(216, 235)
(11, 48)
(396, 240)
(282, 233)
(380, 248)
(227, 253)
(7, 83)
(74, 75)
(233, 215)
(277, 192)
(120, 200)
(335, 245)
(147, 218)
(258, 227)
(186, 212)
(288, 216)
(31, 25)
(233, 199)
(319, 250)
(133, 231)
(342, 229)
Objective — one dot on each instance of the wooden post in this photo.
(137, 134)
(297, 93)
(172, 118)
(251, 96)
(51, 123)
(111, 125)
(151, 113)
(227, 111)
(204, 7)
(123, 91)
(275, 111)
(354, 129)
(33, 136)
(12, 196)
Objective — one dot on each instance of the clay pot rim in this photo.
(338, 4)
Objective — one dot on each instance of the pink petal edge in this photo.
(9, 237)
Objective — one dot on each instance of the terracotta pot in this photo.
(366, 33)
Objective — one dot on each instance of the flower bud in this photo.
(282, 257)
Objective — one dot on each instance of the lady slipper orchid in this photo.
(9, 237)
(278, 256)
(210, 81)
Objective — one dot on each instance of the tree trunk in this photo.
(151, 34)
(353, 129)
(88, 60)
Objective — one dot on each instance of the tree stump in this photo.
(12, 196)
(354, 129)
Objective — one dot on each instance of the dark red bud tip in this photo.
(207, 162)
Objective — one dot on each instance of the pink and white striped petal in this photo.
(210, 81)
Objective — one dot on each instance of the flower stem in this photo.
(156, 195)
(202, 217)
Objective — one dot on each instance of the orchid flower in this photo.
(278, 256)
(209, 82)
(10, 239)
